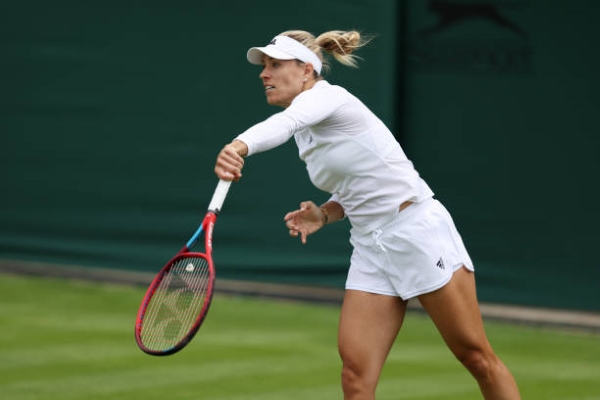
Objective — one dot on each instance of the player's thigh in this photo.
(455, 312)
(369, 324)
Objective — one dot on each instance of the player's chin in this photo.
(271, 101)
(274, 100)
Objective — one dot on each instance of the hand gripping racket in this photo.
(178, 298)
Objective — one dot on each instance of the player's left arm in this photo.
(332, 212)
(309, 218)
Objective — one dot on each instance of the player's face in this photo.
(283, 80)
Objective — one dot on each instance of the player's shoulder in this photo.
(325, 91)
(323, 85)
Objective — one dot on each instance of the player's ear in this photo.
(308, 70)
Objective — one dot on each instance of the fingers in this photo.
(294, 229)
(293, 219)
(306, 206)
(303, 237)
(229, 164)
(296, 232)
(291, 222)
(301, 222)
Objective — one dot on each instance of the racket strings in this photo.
(176, 304)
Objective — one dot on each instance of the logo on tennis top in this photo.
(273, 41)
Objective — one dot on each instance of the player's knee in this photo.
(479, 363)
(350, 379)
(357, 383)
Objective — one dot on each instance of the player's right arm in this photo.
(230, 161)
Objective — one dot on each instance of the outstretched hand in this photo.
(305, 221)
(230, 161)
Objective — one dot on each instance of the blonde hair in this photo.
(339, 44)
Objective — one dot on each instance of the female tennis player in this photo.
(405, 244)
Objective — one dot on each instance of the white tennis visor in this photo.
(285, 48)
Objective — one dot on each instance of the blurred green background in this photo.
(112, 113)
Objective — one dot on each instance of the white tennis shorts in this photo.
(415, 253)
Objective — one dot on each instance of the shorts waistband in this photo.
(405, 210)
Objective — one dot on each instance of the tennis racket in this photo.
(178, 299)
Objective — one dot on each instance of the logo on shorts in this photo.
(440, 264)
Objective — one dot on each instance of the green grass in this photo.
(74, 340)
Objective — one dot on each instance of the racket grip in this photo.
(219, 196)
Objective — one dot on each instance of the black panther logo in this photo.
(450, 13)
(472, 51)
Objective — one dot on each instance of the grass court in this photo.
(65, 339)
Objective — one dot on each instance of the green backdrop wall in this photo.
(111, 116)
(502, 118)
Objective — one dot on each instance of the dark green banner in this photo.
(502, 103)
(112, 116)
